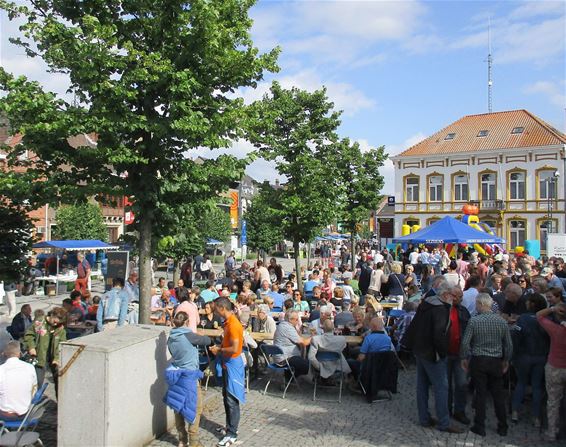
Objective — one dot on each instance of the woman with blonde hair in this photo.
(396, 285)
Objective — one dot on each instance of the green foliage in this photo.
(358, 180)
(16, 239)
(84, 221)
(215, 223)
(151, 80)
(207, 220)
(295, 128)
(263, 228)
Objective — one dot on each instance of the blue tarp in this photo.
(75, 245)
(449, 231)
(210, 241)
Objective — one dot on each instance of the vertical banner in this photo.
(244, 234)
(234, 206)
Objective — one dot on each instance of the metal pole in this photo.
(47, 222)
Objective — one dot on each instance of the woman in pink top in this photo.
(328, 286)
(555, 369)
(188, 306)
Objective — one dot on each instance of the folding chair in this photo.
(249, 359)
(21, 437)
(327, 357)
(393, 315)
(268, 352)
(26, 421)
(204, 363)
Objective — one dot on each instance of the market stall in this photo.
(58, 247)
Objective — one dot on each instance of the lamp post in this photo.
(551, 194)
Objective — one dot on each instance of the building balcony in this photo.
(489, 205)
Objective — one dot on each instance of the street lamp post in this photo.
(551, 194)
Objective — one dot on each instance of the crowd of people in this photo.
(472, 322)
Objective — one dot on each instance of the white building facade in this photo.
(510, 164)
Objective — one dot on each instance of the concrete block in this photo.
(112, 394)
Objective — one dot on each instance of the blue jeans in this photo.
(433, 374)
(530, 369)
(231, 407)
(457, 385)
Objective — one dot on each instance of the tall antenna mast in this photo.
(489, 67)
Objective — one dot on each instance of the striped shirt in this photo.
(487, 335)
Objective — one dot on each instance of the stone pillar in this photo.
(112, 394)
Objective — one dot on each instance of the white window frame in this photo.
(543, 183)
(459, 186)
(435, 190)
(515, 190)
(514, 233)
(489, 184)
(412, 190)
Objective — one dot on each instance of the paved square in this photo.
(297, 421)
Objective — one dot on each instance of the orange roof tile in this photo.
(499, 126)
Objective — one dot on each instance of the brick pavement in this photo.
(300, 422)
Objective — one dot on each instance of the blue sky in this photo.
(400, 70)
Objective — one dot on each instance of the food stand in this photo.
(69, 245)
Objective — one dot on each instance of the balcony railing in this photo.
(489, 205)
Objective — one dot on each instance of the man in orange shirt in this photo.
(231, 368)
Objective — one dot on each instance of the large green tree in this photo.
(295, 129)
(263, 226)
(358, 182)
(150, 79)
(83, 221)
(16, 228)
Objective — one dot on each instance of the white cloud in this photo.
(345, 96)
(530, 9)
(533, 32)
(367, 20)
(336, 33)
(553, 91)
(388, 170)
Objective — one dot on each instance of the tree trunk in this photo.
(297, 255)
(308, 255)
(176, 272)
(264, 256)
(353, 249)
(145, 268)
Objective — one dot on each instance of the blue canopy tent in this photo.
(75, 245)
(210, 241)
(449, 231)
(72, 245)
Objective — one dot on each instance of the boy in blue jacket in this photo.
(183, 376)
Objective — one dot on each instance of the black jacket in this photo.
(379, 373)
(18, 328)
(427, 335)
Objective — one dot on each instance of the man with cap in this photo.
(553, 280)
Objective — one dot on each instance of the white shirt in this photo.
(469, 300)
(414, 257)
(18, 382)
